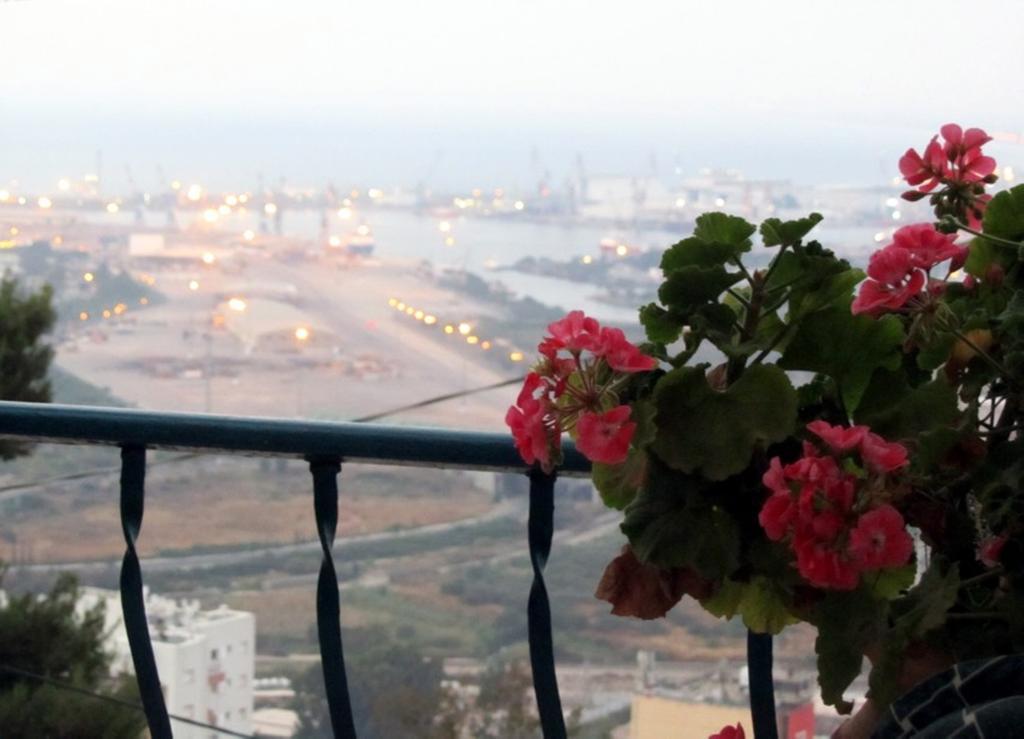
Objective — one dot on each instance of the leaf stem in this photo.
(994, 572)
(982, 353)
(987, 237)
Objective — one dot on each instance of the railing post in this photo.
(540, 529)
(133, 604)
(328, 607)
(762, 685)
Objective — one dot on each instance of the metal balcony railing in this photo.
(325, 446)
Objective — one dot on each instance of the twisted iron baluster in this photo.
(762, 686)
(538, 609)
(133, 606)
(328, 607)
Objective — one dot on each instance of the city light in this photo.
(449, 329)
(449, 241)
(302, 333)
(83, 316)
(418, 315)
(465, 328)
(719, 202)
(472, 339)
(485, 345)
(444, 227)
(344, 213)
(224, 210)
(409, 310)
(13, 231)
(248, 234)
(195, 192)
(176, 185)
(587, 259)
(392, 302)
(375, 193)
(5, 195)
(143, 301)
(334, 241)
(516, 356)
(400, 305)
(63, 184)
(44, 202)
(622, 250)
(88, 277)
(519, 205)
(231, 200)
(193, 285)
(113, 207)
(270, 209)
(208, 258)
(680, 202)
(896, 215)
(210, 215)
(120, 308)
(237, 304)
(363, 230)
(429, 319)
(106, 314)
(1008, 174)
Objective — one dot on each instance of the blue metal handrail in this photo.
(326, 446)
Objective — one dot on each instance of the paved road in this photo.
(508, 507)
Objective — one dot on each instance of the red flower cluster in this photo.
(900, 271)
(957, 163)
(574, 387)
(990, 550)
(833, 521)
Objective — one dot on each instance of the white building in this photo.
(205, 659)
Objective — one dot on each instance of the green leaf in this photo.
(1004, 216)
(763, 607)
(618, 484)
(935, 352)
(888, 583)
(696, 252)
(835, 290)
(673, 523)
(775, 232)
(847, 623)
(689, 287)
(715, 433)
(660, 325)
(906, 412)
(922, 610)
(845, 347)
(724, 229)
(725, 601)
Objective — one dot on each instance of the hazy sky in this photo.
(191, 83)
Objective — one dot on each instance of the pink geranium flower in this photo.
(604, 437)
(730, 732)
(880, 539)
(926, 246)
(881, 455)
(575, 333)
(776, 516)
(840, 438)
(990, 550)
(893, 280)
(620, 354)
(925, 172)
(534, 429)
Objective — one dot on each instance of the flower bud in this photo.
(995, 274)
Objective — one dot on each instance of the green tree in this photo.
(395, 691)
(46, 637)
(25, 317)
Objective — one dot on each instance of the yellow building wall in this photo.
(664, 718)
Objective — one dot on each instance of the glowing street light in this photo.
(248, 234)
(516, 356)
(113, 207)
(210, 215)
(444, 227)
(344, 213)
(449, 329)
(302, 333)
(63, 184)
(237, 304)
(193, 285)
(465, 328)
(429, 319)
(472, 339)
(5, 195)
(88, 277)
(208, 258)
(195, 192)
(270, 209)
(44, 202)
(519, 205)
(83, 316)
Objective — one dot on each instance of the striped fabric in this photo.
(982, 699)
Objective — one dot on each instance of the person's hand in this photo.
(861, 724)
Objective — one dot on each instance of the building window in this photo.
(213, 654)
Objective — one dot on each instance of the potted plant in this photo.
(800, 441)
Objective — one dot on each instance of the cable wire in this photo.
(118, 701)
